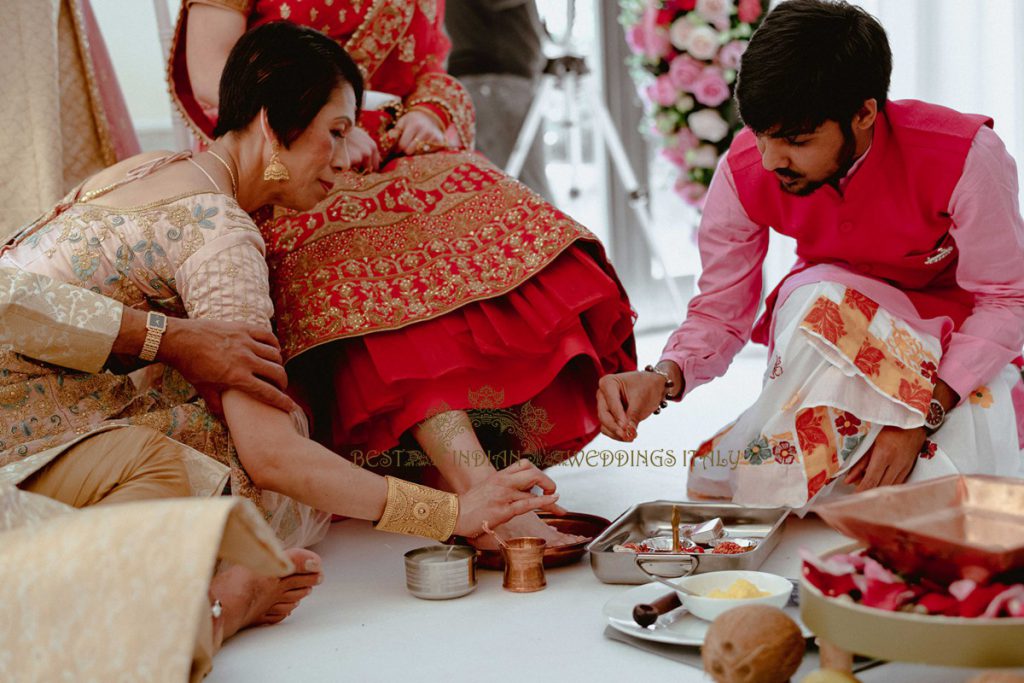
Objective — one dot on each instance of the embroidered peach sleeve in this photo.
(56, 322)
(227, 279)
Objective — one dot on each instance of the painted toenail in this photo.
(319, 579)
(312, 565)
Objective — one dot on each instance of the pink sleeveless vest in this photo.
(892, 222)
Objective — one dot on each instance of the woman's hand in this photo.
(363, 154)
(890, 460)
(418, 133)
(626, 399)
(504, 495)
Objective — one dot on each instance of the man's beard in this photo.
(844, 161)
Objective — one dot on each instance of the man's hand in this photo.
(625, 399)
(216, 355)
(890, 460)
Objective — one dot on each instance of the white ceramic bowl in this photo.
(778, 588)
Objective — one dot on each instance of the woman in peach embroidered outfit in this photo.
(431, 297)
(167, 236)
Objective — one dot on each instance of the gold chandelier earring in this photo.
(275, 170)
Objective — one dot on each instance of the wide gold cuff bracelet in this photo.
(419, 511)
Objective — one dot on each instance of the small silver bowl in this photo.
(441, 572)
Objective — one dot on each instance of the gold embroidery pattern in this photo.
(429, 9)
(388, 250)
(384, 24)
(447, 93)
(407, 52)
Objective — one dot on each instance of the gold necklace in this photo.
(231, 174)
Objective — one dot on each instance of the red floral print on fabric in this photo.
(929, 371)
(928, 449)
(808, 430)
(915, 395)
(824, 318)
(869, 359)
(784, 452)
(816, 484)
(856, 300)
(848, 424)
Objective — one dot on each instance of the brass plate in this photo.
(577, 523)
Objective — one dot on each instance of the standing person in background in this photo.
(64, 117)
(497, 55)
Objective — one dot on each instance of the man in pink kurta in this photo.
(908, 206)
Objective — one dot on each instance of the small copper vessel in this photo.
(524, 564)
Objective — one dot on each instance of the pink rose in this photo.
(635, 38)
(730, 54)
(662, 91)
(684, 72)
(749, 10)
(676, 152)
(654, 38)
(711, 89)
(691, 192)
(716, 12)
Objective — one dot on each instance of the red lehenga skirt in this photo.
(442, 284)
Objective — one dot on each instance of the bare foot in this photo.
(525, 525)
(249, 599)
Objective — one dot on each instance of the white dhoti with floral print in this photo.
(842, 368)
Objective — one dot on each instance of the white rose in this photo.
(685, 103)
(702, 43)
(708, 124)
(716, 11)
(705, 156)
(679, 33)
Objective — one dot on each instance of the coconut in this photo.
(753, 644)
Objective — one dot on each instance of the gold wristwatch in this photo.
(156, 325)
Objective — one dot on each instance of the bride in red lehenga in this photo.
(430, 301)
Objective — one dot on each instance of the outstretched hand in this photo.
(216, 355)
(503, 495)
(626, 399)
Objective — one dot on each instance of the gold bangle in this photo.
(419, 511)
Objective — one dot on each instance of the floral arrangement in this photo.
(685, 57)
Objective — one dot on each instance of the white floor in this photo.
(362, 625)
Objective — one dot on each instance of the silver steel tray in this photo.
(654, 518)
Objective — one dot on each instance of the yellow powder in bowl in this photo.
(741, 589)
